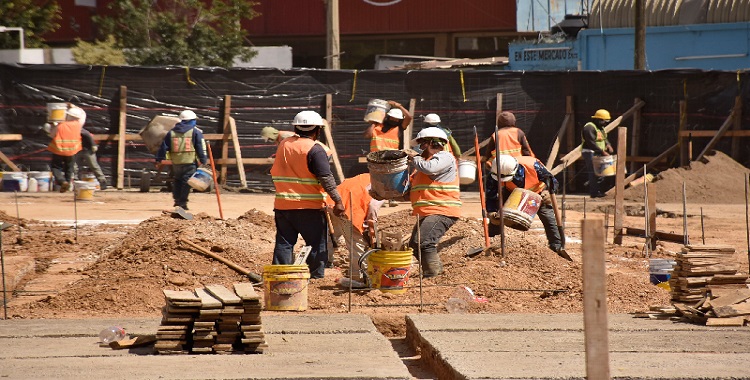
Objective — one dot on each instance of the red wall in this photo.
(75, 22)
(308, 17)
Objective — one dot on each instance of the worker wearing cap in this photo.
(357, 223)
(529, 173)
(433, 120)
(435, 197)
(512, 141)
(272, 134)
(303, 180)
(595, 143)
(386, 135)
(66, 142)
(186, 148)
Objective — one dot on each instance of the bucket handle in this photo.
(289, 294)
(362, 260)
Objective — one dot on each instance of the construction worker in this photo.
(186, 148)
(302, 177)
(356, 225)
(88, 151)
(529, 173)
(386, 135)
(512, 142)
(595, 143)
(66, 142)
(433, 120)
(435, 197)
(272, 134)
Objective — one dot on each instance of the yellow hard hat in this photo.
(601, 114)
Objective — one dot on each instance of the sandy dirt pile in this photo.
(134, 267)
(716, 179)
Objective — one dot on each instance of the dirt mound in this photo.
(715, 179)
(131, 273)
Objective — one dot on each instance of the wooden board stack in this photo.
(177, 321)
(252, 339)
(212, 320)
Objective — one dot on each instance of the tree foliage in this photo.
(180, 32)
(36, 17)
(98, 53)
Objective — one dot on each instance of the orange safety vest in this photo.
(509, 143)
(531, 177)
(296, 187)
(360, 197)
(67, 140)
(429, 197)
(384, 140)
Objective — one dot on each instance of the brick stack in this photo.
(252, 339)
(178, 315)
(228, 322)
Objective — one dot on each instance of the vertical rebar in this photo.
(75, 213)
(2, 263)
(419, 255)
(584, 208)
(684, 215)
(564, 184)
(499, 193)
(747, 221)
(351, 249)
(646, 214)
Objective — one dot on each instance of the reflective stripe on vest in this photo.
(182, 150)
(509, 143)
(296, 187)
(67, 140)
(531, 177)
(384, 140)
(429, 197)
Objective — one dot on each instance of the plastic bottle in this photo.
(460, 300)
(111, 334)
(33, 185)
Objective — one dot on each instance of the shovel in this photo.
(180, 212)
(562, 253)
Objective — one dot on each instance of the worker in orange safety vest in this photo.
(386, 135)
(66, 142)
(303, 179)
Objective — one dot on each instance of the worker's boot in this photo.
(431, 266)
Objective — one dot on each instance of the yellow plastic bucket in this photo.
(285, 287)
(389, 270)
(84, 190)
(56, 112)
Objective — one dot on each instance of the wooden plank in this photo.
(139, 341)
(556, 145)
(470, 151)
(237, 152)
(225, 132)
(137, 137)
(708, 248)
(207, 300)
(736, 321)
(123, 113)
(329, 140)
(622, 141)
(248, 161)
(11, 137)
(719, 134)
(651, 189)
(571, 140)
(595, 300)
(737, 127)
(575, 154)
(682, 146)
(246, 291)
(409, 131)
(732, 310)
(712, 133)
(732, 298)
(8, 162)
(635, 132)
(658, 158)
(226, 296)
(180, 295)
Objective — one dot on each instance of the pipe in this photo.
(216, 182)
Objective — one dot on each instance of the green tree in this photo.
(180, 32)
(98, 53)
(36, 17)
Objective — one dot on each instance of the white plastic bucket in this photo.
(467, 171)
(15, 181)
(376, 110)
(84, 190)
(201, 179)
(56, 112)
(605, 166)
(43, 180)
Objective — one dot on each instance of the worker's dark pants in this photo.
(89, 159)
(595, 182)
(181, 189)
(431, 230)
(63, 168)
(313, 227)
(491, 203)
(547, 216)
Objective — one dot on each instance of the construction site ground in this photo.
(76, 267)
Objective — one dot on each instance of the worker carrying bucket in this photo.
(534, 184)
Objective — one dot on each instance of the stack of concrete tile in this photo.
(204, 327)
(178, 315)
(252, 339)
(228, 321)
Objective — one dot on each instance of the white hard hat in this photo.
(187, 115)
(508, 167)
(432, 118)
(396, 113)
(431, 132)
(76, 112)
(307, 121)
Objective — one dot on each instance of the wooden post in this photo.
(409, 131)
(737, 126)
(224, 145)
(560, 134)
(651, 189)
(683, 123)
(720, 133)
(572, 137)
(329, 138)
(622, 144)
(499, 106)
(237, 153)
(595, 327)
(121, 134)
(635, 133)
